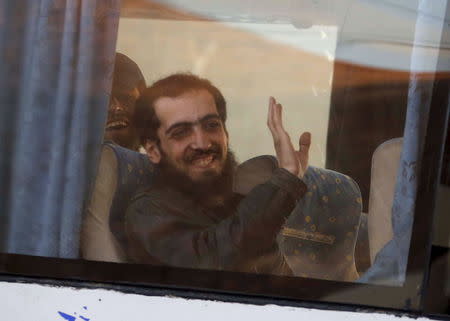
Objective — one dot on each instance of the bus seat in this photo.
(385, 164)
(120, 174)
(319, 237)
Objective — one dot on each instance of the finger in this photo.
(304, 145)
(305, 141)
(277, 118)
(271, 100)
(270, 114)
(273, 124)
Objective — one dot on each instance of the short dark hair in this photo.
(127, 74)
(146, 121)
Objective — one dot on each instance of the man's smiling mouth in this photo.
(204, 161)
(116, 124)
(203, 158)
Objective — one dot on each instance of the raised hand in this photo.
(290, 159)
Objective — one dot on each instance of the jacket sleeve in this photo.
(159, 233)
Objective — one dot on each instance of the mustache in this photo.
(194, 154)
(222, 184)
(118, 115)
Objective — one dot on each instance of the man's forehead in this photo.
(125, 90)
(190, 106)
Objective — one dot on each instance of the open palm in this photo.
(294, 161)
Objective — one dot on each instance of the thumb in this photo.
(304, 144)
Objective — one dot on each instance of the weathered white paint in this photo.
(25, 302)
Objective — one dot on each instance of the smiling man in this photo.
(128, 83)
(191, 217)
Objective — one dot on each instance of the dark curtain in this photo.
(55, 75)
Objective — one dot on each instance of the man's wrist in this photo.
(289, 182)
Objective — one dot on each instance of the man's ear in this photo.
(153, 152)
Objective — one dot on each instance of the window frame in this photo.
(263, 289)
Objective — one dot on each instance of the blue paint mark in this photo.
(85, 308)
(66, 316)
(85, 319)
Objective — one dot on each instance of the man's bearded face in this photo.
(192, 137)
(199, 160)
(210, 184)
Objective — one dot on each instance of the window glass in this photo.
(337, 77)
(273, 138)
(248, 62)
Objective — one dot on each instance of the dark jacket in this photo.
(165, 227)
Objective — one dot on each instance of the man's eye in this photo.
(129, 100)
(180, 133)
(212, 125)
(126, 99)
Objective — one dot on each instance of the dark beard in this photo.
(210, 187)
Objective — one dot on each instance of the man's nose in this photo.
(201, 139)
(114, 105)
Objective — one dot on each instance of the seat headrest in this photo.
(320, 235)
(134, 172)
